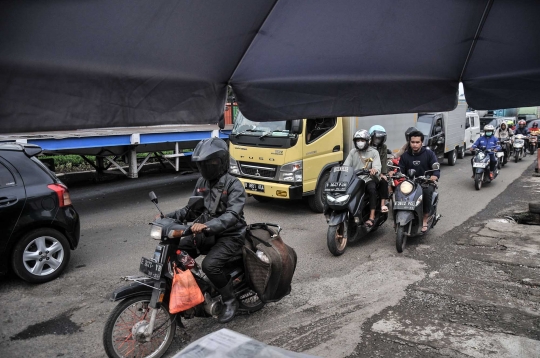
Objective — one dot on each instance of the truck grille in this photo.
(259, 170)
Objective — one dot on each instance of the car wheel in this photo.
(452, 157)
(41, 255)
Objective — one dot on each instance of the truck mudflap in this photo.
(404, 217)
(336, 219)
(132, 290)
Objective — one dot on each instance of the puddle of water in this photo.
(59, 325)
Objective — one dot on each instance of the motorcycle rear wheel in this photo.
(337, 243)
(401, 238)
(531, 150)
(478, 180)
(118, 338)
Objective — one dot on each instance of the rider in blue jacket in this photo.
(490, 142)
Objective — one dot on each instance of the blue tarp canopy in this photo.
(109, 63)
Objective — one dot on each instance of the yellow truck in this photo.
(291, 159)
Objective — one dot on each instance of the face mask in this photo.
(360, 144)
(489, 134)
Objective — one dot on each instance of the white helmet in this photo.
(488, 130)
(361, 139)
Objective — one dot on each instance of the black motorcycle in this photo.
(141, 324)
(506, 149)
(347, 208)
(407, 206)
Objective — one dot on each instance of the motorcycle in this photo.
(481, 167)
(506, 146)
(408, 210)
(141, 324)
(347, 208)
(533, 143)
(519, 147)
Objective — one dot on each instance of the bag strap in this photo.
(219, 187)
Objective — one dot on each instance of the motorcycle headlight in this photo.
(339, 200)
(481, 155)
(233, 166)
(155, 232)
(406, 187)
(291, 172)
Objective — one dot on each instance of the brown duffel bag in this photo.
(268, 273)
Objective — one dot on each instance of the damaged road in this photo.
(481, 296)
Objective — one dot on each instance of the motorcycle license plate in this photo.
(479, 165)
(151, 268)
(404, 205)
(335, 187)
(254, 187)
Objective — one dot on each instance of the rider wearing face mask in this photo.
(488, 141)
(228, 225)
(357, 158)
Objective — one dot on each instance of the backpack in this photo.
(269, 274)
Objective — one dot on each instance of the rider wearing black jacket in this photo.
(228, 224)
(420, 159)
(522, 128)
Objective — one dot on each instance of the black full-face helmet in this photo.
(408, 132)
(212, 158)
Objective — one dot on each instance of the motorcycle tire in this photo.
(401, 239)
(137, 307)
(337, 243)
(503, 162)
(524, 152)
(516, 157)
(478, 180)
(531, 150)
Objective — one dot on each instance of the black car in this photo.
(38, 224)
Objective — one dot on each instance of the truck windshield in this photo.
(244, 126)
(424, 125)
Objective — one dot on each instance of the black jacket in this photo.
(523, 131)
(419, 161)
(229, 219)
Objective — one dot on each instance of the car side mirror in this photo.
(411, 173)
(296, 126)
(436, 166)
(153, 197)
(195, 202)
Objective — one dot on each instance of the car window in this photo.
(6, 178)
(44, 168)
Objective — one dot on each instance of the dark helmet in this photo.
(535, 125)
(212, 158)
(409, 131)
(378, 135)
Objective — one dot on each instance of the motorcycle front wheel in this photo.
(122, 334)
(516, 157)
(336, 241)
(401, 238)
(531, 149)
(478, 180)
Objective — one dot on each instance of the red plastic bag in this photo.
(185, 293)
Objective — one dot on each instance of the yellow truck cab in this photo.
(291, 159)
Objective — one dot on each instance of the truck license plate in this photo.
(151, 268)
(254, 187)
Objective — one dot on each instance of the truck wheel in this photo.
(461, 153)
(262, 199)
(316, 202)
(452, 157)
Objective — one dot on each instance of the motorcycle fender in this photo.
(131, 290)
(404, 217)
(479, 170)
(337, 218)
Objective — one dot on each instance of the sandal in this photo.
(424, 231)
(369, 222)
(384, 209)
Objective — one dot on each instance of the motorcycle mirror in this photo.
(195, 202)
(411, 173)
(153, 197)
(389, 162)
(436, 166)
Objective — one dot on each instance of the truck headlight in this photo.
(291, 172)
(233, 166)
(155, 232)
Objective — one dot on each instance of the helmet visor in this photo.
(209, 169)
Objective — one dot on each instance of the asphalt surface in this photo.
(335, 301)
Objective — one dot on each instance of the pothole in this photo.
(59, 325)
(526, 218)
